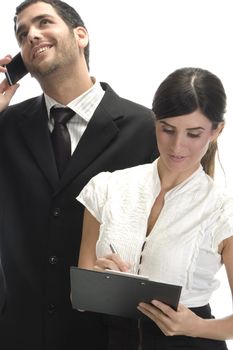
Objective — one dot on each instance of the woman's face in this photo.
(184, 140)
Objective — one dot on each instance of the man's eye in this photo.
(21, 36)
(44, 21)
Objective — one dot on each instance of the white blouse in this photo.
(182, 247)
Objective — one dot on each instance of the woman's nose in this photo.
(179, 142)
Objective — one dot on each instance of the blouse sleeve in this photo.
(224, 223)
(93, 196)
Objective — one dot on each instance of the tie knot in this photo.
(61, 115)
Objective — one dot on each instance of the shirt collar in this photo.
(83, 105)
(185, 185)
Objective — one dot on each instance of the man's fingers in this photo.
(11, 91)
(6, 94)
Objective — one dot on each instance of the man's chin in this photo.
(43, 72)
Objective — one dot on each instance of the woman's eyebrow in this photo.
(165, 123)
(196, 128)
(172, 126)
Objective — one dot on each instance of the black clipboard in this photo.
(117, 294)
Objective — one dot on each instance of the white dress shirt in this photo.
(84, 106)
(182, 247)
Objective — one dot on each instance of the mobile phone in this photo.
(15, 69)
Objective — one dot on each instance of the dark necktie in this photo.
(61, 137)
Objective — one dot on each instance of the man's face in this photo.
(46, 42)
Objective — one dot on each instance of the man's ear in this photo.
(81, 36)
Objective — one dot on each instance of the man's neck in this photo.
(64, 88)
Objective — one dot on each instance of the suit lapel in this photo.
(101, 130)
(34, 128)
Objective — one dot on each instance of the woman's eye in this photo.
(193, 136)
(169, 131)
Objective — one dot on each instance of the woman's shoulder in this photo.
(124, 181)
(214, 191)
(223, 198)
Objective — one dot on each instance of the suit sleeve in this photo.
(2, 288)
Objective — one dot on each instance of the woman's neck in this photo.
(170, 179)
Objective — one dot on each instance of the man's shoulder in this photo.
(134, 173)
(24, 107)
(127, 106)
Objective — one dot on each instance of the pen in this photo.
(113, 249)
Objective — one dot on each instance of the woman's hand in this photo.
(111, 262)
(6, 91)
(180, 322)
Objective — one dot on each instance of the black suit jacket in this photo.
(41, 221)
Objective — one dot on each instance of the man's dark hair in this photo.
(68, 14)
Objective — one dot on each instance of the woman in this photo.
(168, 220)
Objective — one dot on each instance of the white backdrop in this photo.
(135, 44)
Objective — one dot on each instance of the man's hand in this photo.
(6, 91)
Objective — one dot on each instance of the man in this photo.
(2, 289)
(40, 219)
